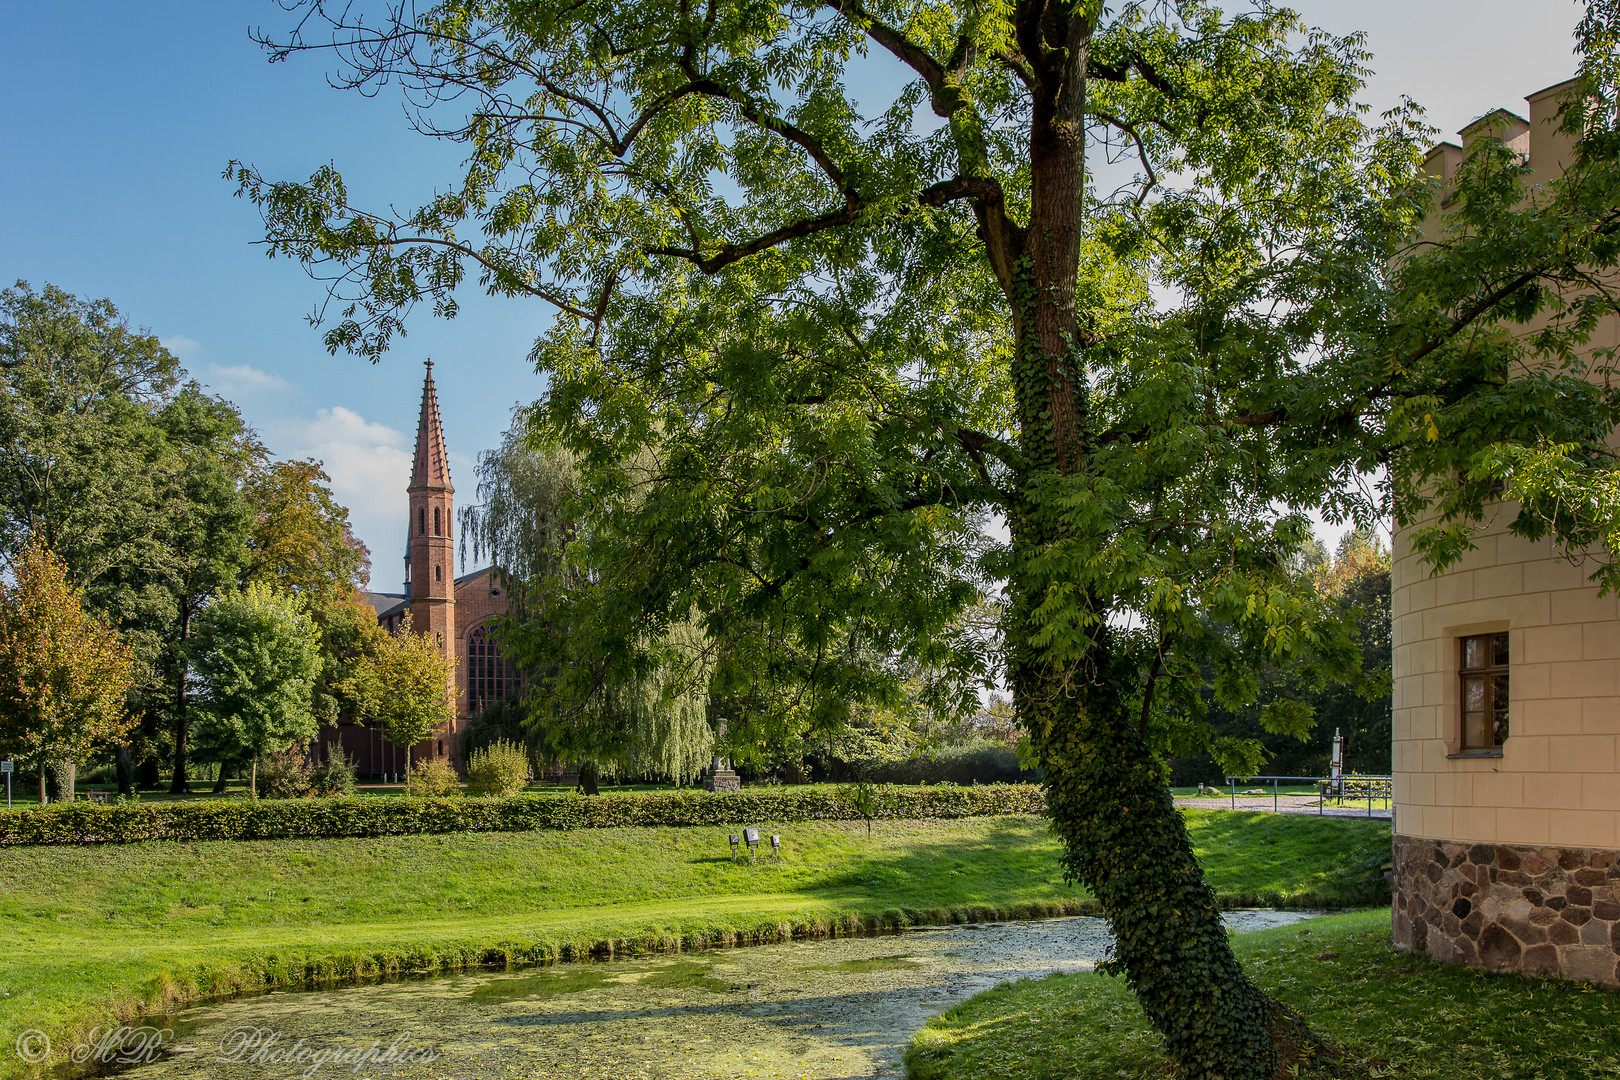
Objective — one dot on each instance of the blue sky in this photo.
(120, 117)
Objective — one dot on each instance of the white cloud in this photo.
(369, 464)
(181, 345)
(243, 377)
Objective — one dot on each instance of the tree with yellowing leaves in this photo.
(64, 673)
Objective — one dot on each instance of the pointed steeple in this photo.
(431, 469)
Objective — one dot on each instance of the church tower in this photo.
(430, 557)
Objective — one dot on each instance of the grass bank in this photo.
(97, 933)
(1393, 1013)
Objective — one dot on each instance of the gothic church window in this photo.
(489, 677)
(421, 521)
(436, 531)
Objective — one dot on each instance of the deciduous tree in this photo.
(64, 674)
(256, 654)
(412, 686)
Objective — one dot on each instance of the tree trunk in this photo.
(1124, 841)
(126, 772)
(179, 785)
(42, 781)
(253, 778)
(219, 784)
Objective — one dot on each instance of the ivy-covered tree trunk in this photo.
(1125, 842)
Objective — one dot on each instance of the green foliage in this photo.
(433, 777)
(501, 769)
(334, 776)
(1255, 739)
(639, 708)
(243, 820)
(257, 655)
(79, 386)
(977, 761)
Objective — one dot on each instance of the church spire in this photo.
(431, 469)
(432, 521)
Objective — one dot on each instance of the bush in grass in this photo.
(433, 776)
(285, 774)
(246, 819)
(501, 769)
(334, 776)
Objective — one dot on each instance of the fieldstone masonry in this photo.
(1535, 910)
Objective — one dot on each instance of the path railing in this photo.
(1344, 788)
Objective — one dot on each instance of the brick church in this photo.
(459, 611)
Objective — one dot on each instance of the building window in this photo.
(436, 531)
(1484, 691)
(489, 677)
(436, 574)
(421, 521)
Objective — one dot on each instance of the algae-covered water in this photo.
(829, 1010)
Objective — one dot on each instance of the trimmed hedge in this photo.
(244, 819)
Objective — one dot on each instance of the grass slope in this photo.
(1395, 1014)
(101, 932)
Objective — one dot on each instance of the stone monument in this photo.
(721, 775)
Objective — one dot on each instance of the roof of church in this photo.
(432, 465)
(384, 603)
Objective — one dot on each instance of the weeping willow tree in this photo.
(638, 709)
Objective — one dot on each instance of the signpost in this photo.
(8, 767)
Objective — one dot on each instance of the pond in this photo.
(828, 1009)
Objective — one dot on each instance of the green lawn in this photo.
(98, 932)
(1392, 1013)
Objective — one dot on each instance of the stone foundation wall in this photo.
(1536, 910)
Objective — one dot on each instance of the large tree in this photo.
(1121, 277)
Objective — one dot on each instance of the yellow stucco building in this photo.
(1507, 721)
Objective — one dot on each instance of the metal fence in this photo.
(1347, 789)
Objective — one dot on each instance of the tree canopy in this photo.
(1141, 281)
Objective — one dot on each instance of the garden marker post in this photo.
(8, 767)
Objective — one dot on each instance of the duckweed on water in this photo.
(807, 1010)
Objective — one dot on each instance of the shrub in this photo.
(334, 776)
(243, 819)
(433, 776)
(500, 769)
(980, 761)
(285, 774)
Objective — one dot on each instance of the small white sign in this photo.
(8, 766)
